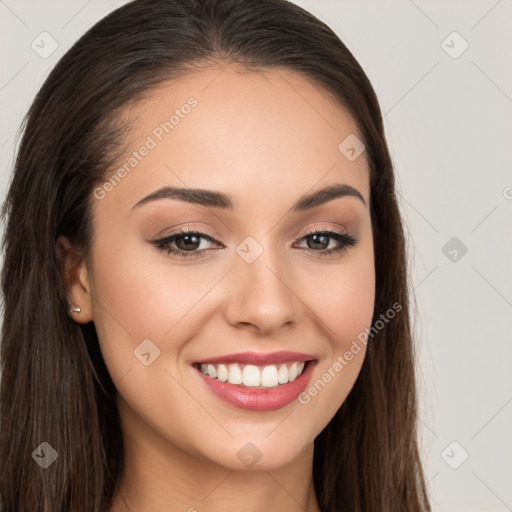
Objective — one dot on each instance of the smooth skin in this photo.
(266, 140)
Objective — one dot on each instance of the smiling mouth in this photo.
(253, 376)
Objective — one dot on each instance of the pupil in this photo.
(316, 237)
(195, 241)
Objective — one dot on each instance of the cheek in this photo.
(141, 295)
(344, 305)
(352, 304)
(342, 297)
(132, 304)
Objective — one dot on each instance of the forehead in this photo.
(272, 133)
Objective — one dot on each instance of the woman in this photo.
(205, 278)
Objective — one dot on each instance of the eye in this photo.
(187, 243)
(320, 240)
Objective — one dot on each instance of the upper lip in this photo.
(257, 358)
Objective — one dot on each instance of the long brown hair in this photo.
(55, 387)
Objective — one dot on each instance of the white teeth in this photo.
(212, 371)
(292, 372)
(269, 377)
(222, 373)
(282, 377)
(234, 374)
(283, 374)
(253, 376)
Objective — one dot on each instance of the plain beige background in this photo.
(443, 75)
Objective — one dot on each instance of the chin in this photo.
(263, 452)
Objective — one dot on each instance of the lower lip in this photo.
(260, 399)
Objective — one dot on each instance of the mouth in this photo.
(257, 382)
(254, 376)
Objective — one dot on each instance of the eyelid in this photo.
(324, 229)
(191, 229)
(215, 236)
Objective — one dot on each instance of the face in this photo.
(265, 291)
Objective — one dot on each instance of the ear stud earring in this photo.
(76, 309)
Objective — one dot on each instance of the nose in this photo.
(263, 297)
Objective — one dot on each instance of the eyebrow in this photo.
(214, 199)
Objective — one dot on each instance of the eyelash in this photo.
(164, 244)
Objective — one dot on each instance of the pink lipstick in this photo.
(255, 381)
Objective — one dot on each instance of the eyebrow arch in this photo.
(213, 199)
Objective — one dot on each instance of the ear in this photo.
(76, 280)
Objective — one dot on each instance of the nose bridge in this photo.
(263, 292)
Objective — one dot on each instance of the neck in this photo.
(266, 492)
